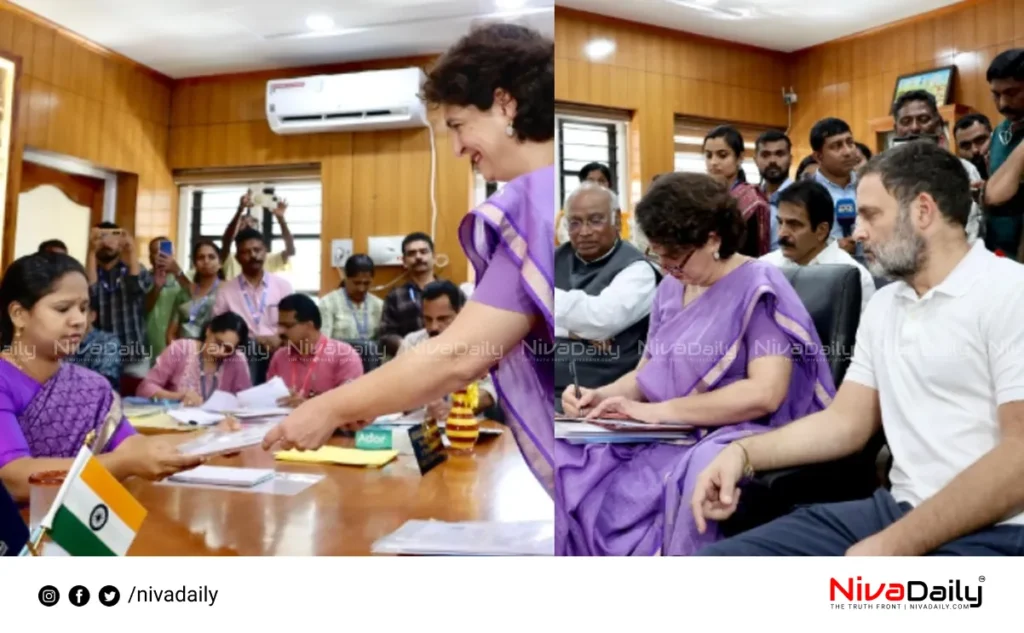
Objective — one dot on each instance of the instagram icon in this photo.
(49, 596)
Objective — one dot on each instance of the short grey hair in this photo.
(589, 186)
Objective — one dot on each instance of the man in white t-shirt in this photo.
(805, 215)
(938, 363)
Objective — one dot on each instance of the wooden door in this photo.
(56, 205)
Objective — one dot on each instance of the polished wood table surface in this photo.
(345, 512)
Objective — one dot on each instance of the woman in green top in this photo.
(193, 312)
(351, 312)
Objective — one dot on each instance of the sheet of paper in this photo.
(221, 442)
(195, 417)
(281, 484)
(221, 402)
(338, 455)
(225, 476)
(470, 538)
(264, 396)
(402, 419)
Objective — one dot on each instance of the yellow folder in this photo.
(338, 455)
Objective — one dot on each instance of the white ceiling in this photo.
(784, 25)
(187, 38)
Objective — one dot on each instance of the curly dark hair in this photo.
(516, 59)
(681, 210)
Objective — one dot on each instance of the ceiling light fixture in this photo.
(599, 49)
(320, 22)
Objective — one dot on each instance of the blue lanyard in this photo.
(202, 379)
(412, 295)
(256, 313)
(199, 304)
(364, 328)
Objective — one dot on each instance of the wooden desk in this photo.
(345, 512)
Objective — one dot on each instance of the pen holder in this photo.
(462, 427)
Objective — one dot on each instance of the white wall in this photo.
(45, 213)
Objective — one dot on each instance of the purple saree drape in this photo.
(70, 405)
(615, 499)
(519, 219)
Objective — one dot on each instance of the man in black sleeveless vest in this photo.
(604, 288)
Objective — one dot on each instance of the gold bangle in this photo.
(748, 469)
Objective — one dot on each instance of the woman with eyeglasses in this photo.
(190, 370)
(731, 350)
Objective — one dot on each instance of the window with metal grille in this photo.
(580, 140)
(689, 146)
(212, 206)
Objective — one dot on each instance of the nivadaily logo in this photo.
(913, 594)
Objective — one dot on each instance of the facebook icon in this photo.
(79, 596)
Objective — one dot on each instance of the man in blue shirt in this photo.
(837, 156)
(773, 154)
(1004, 197)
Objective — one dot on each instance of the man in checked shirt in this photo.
(117, 292)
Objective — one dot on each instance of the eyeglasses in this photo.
(655, 259)
(594, 222)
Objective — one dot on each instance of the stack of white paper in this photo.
(256, 402)
(224, 476)
(196, 417)
(470, 538)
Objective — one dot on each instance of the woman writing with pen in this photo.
(190, 370)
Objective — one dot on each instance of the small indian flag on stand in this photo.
(93, 514)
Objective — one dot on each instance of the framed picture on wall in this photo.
(938, 81)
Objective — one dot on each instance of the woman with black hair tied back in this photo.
(352, 313)
(193, 311)
(190, 370)
(723, 155)
(48, 408)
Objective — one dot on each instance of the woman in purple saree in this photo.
(731, 350)
(48, 408)
(496, 90)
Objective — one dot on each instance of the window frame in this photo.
(267, 224)
(617, 131)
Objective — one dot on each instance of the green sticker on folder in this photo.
(374, 439)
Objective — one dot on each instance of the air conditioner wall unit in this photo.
(351, 102)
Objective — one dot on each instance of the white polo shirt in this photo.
(942, 364)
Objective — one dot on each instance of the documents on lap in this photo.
(617, 430)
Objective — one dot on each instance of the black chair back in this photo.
(832, 295)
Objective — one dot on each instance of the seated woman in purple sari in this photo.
(49, 408)
(496, 90)
(731, 350)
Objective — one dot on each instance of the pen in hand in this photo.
(576, 384)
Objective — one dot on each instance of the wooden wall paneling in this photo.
(89, 103)
(968, 35)
(374, 183)
(658, 74)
